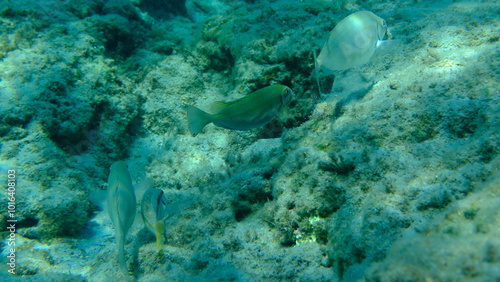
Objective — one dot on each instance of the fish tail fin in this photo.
(159, 231)
(121, 255)
(197, 119)
(316, 71)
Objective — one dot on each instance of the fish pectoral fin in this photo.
(387, 45)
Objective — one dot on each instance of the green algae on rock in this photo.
(398, 183)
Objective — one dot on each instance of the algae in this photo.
(392, 175)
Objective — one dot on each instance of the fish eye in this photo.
(286, 95)
(384, 24)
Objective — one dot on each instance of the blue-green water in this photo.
(389, 171)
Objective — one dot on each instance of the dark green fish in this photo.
(253, 110)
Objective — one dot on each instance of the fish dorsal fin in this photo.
(217, 106)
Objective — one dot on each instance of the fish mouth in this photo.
(384, 27)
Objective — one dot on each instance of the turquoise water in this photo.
(388, 171)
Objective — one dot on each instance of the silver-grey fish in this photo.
(121, 206)
(353, 41)
(253, 110)
(154, 210)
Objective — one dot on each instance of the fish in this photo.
(153, 211)
(353, 42)
(121, 206)
(251, 111)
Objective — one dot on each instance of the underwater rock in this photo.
(353, 191)
(162, 9)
